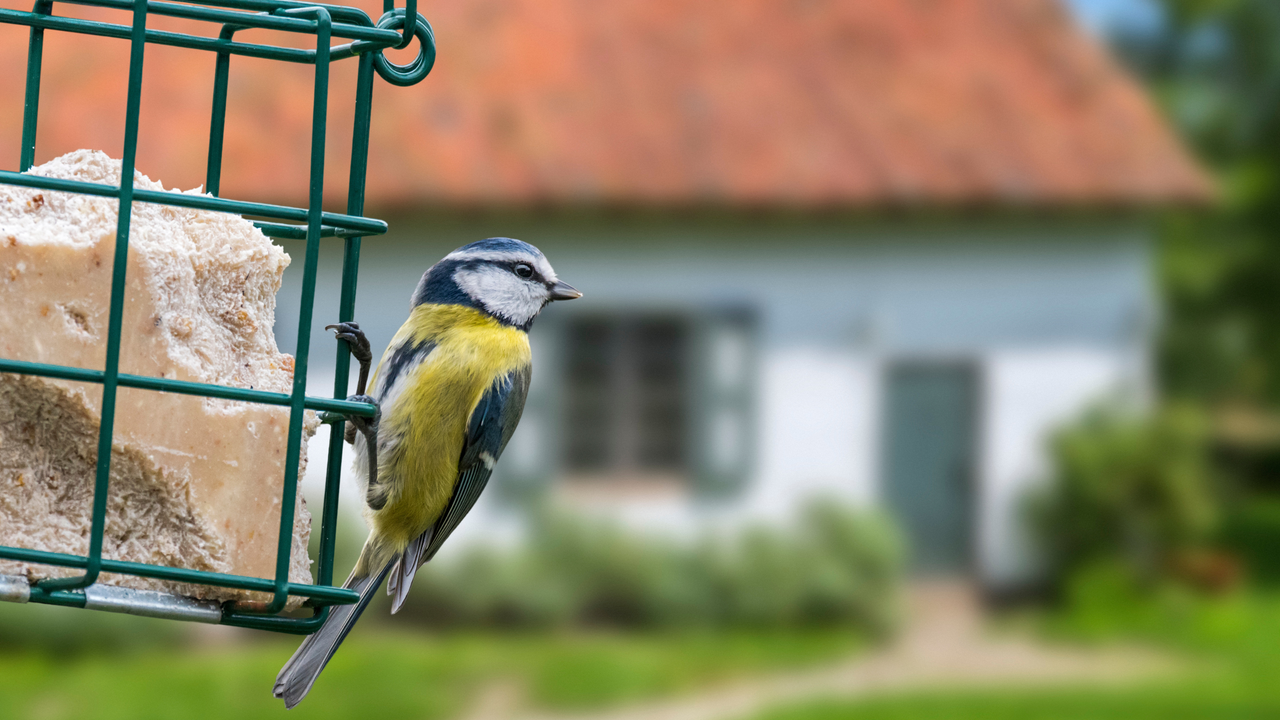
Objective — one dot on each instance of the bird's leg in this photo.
(351, 334)
(368, 427)
(358, 344)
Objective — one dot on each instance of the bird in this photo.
(449, 391)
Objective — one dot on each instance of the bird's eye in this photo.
(523, 270)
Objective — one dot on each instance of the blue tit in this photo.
(449, 390)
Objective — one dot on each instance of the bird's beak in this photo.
(564, 291)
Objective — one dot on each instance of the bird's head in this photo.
(508, 279)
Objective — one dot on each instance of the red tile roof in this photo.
(791, 102)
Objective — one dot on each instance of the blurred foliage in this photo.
(1252, 531)
(1215, 66)
(838, 567)
(408, 674)
(1144, 495)
(1104, 601)
(1127, 488)
(62, 632)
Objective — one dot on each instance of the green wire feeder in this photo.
(366, 41)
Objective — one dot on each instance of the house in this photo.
(866, 251)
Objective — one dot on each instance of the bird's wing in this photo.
(491, 426)
(400, 358)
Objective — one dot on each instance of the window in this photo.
(627, 404)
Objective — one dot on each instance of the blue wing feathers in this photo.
(490, 428)
(404, 356)
(489, 431)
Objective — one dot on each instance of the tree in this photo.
(1215, 67)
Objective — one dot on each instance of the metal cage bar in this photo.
(110, 376)
(396, 28)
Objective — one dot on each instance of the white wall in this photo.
(818, 430)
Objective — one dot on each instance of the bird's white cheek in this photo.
(503, 293)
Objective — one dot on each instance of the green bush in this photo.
(838, 567)
(1252, 531)
(1136, 490)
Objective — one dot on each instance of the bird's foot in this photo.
(358, 344)
(350, 333)
(366, 426)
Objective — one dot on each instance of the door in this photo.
(928, 462)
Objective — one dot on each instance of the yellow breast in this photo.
(423, 426)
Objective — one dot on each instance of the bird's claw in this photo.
(358, 344)
(350, 333)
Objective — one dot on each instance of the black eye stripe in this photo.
(524, 270)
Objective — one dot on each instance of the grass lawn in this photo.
(381, 673)
(1148, 704)
(1233, 672)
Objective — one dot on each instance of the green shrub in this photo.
(1252, 531)
(1124, 488)
(837, 567)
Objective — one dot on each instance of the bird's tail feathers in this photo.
(300, 672)
(403, 571)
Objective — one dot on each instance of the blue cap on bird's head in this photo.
(499, 245)
(504, 277)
